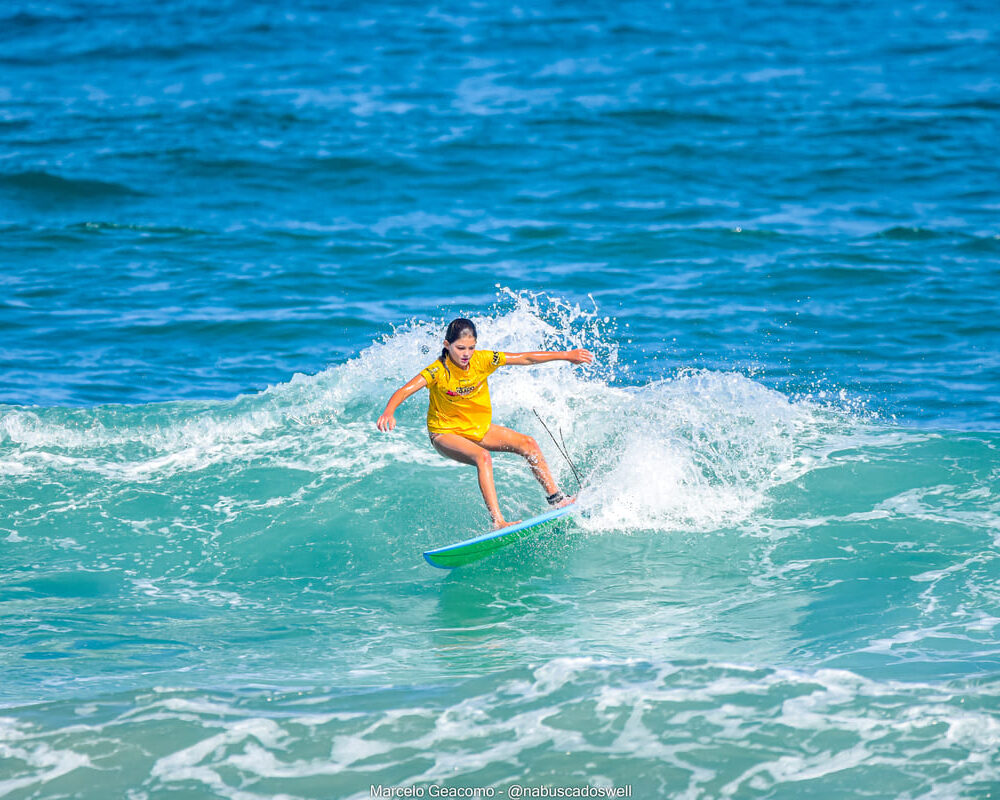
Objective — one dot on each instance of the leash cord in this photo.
(562, 450)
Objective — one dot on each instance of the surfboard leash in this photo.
(562, 449)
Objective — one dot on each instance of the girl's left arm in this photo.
(579, 356)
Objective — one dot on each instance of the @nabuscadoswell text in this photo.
(514, 791)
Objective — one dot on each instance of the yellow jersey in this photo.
(460, 399)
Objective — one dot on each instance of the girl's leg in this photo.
(465, 451)
(504, 440)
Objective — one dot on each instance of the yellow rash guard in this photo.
(460, 399)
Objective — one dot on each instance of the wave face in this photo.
(231, 229)
(757, 592)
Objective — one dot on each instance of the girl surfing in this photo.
(460, 417)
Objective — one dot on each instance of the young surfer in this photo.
(460, 417)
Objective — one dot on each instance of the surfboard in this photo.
(462, 553)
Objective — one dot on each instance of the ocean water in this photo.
(230, 230)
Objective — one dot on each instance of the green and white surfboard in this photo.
(462, 553)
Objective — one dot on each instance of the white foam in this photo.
(698, 451)
(763, 728)
(21, 750)
(186, 591)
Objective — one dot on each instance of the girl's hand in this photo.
(580, 356)
(386, 422)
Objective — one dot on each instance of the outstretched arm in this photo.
(388, 419)
(540, 357)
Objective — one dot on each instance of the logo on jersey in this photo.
(463, 391)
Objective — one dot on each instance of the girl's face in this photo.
(460, 351)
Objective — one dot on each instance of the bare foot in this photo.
(497, 526)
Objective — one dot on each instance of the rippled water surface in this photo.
(230, 231)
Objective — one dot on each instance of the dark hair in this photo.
(456, 330)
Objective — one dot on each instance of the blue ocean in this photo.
(230, 230)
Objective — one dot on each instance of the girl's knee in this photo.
(529, 448)
(484, 459)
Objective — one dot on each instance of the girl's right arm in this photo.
(388, 420)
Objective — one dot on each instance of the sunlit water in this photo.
(231, 231)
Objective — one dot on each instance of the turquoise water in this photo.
(232, 230)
